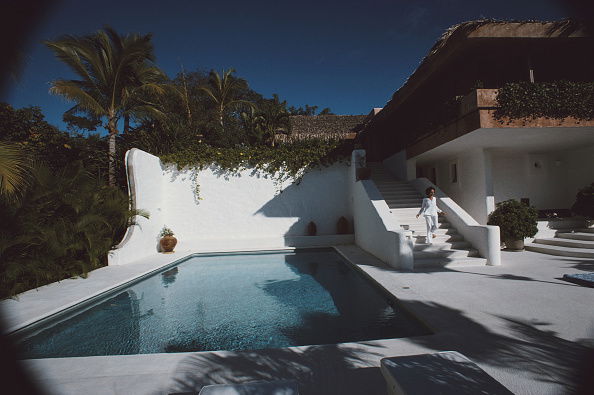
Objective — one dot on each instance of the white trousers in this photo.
(431, 221)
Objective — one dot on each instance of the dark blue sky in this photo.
(346, 55)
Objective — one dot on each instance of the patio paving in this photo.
(520, 322)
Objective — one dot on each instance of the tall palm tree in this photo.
(15, 171)
(117, 78)
(224, 92)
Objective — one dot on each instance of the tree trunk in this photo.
(113, 131)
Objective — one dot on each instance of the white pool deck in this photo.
(519, 322)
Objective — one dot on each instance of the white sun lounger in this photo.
(279, 387)
(443, 373)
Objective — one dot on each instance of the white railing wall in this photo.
(485, 238)
(376, 230)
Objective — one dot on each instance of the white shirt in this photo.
(429, 207)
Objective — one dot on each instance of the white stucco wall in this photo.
(235, 209)
(473, 190)
(552, 183)
(376, 229)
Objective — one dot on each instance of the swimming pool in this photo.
(234, 301)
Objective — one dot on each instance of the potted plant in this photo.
(516, 221)
(167, 241)
(584, 204)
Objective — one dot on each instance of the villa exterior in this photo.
(441, 123)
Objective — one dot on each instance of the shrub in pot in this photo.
(516, 221)
(584, 203)
(167, 241)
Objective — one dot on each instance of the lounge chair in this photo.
(443, 373)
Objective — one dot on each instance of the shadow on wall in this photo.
(307, 202)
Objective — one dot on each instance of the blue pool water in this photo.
(231, 302)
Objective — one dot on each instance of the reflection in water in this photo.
(110, 328)
(168, 277)
(231, 302)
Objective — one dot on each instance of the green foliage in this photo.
(515, 220)
(556, 100)
(584, 202)
(118, 79)
(46, 143)
(166, 232)
(286, 161)
(63, 226)
(15, 171)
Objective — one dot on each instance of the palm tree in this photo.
(15, 171)
(224, 92)
(117, 76)
(275, 118)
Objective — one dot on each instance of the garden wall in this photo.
(231, 211)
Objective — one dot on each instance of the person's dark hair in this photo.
(429, 190)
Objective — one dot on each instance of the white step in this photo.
(566, 242)
(405, 205)
(561, 251)
(422, 228)
(444, 253)
(401, 194)
(442, 246)
(404, 200)
(576, 235)
(421, 238)
(585, 230)
(447, 262)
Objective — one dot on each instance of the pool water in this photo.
(231, 302)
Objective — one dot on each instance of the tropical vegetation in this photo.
(63, 197)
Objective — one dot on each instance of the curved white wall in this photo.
(243, 209)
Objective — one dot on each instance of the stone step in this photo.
(566, 242)
(444, 253)
(442, 246)
(561, 251)
(585, 230)
(447, 262)
(421, 229)
(405, 205)
(576, 235)
(404, 200)
(401, 194)
(441, 238)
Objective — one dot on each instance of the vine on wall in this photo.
(282, 163)
(559, 99)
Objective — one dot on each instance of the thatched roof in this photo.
(325, 125)
(459, 35)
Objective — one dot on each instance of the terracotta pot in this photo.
(342, 226)
(167, 243)
(363, 173)
(312, 229)
(514, 245)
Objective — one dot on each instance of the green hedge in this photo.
(557, 100)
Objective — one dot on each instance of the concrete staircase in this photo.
(448, 249)
(577, 243)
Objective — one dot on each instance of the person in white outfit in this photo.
(429, 210)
